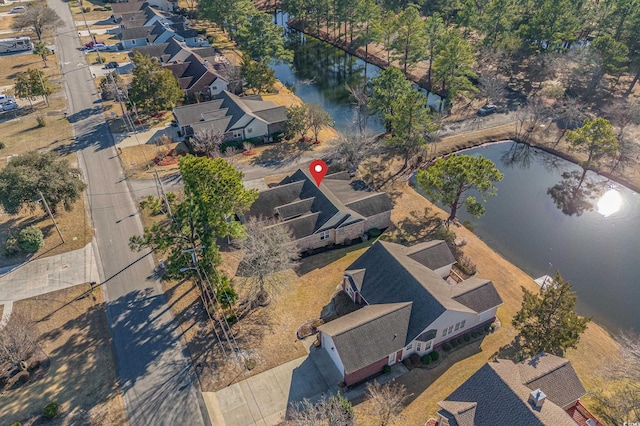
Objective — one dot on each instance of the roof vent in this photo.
(591, 422)
(206, 63)
(536, 398)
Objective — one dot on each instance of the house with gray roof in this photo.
(543, 390)
(338, 211)
(237, 118)
(197, 77)
(119, 8)
(388, 275)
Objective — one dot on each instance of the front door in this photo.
(399, 356)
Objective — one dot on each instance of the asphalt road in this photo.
(155, 373)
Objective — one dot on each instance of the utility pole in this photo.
(44, 89)
(46, 206)
(164, 195)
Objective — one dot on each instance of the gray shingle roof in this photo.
(189, 114)
(297, 208)
(301, 226)
(134, 33)
(152, 50)
(427, 335)
(368, 334)
(372, 205)
(126, 7)
(391, 276)
(433, 254)
(268, 200)
(502, 395)
(477, 294)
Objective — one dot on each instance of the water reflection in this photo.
(575, 194)
(610, 203)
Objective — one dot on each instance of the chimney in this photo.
(536, 398)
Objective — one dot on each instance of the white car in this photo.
(8, 106)
(18, 9)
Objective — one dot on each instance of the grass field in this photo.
(81, 376)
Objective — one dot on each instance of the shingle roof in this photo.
(220, 124)
(297, 208)
(152, 50)
(477, 294)
(555, 376)
(502, 395)
(189, 114)
(119, 8)
(368, 334)
(134, 33)
(372, 205)
(301, 226)
(433, 254)
(268, 200)
(391, 276)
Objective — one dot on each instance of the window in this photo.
(419, 347)
(324, 235)
(457, 325)
(444, 332)
(462, 323)
(450, 329)
(409, 347)
(237, 134)
(249, 130)
(214, 87)
(133, 42)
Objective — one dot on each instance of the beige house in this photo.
(342, 209)
(408, 307)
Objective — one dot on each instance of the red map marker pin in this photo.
(318, 170)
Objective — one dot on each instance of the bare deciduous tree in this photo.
(18, 340)
(318, 118)
(351, 151)
(388, 400)
(571, 116)
(269, 249)
(207, 142)
(528, 118)
(623, 400)
(38, 17)
(622, 114)
(360, 95)
(492, 87)
(334, 411)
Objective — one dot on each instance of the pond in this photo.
(319, 73)
(545, 217)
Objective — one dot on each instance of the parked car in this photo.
(487, 110)
(5, 98)
(111, 65)
(17, 9)
(8, 106)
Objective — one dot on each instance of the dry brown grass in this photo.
(22, 134)
(137, 161)
(81, 376)
(5, 23)
(74, 226)
(77, 14)
(12, 65)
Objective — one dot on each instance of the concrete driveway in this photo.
(264, 398)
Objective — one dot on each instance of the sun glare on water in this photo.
(610, 203)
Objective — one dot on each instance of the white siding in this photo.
(487, 315)
(327, 344)
(255, 129)
(219, 85)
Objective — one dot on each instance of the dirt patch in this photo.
(74, 226)
(81, 376)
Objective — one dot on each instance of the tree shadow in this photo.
(339, 305)
(415, 228)
(281, 154)
(518, 155)
(320, 260)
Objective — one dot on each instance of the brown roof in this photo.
(501, 390)
(433, 254)
(119, 8)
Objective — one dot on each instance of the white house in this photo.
(391, 280)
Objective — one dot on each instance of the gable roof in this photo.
(501, 389)
(119, 8)
(477, 294)
(134, 33)
(433, 254)
(297, 195)
(368, 334)
(392, 276)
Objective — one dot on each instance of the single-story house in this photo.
(543, 390)
(237, 118)
(340, 210)
(408, 308)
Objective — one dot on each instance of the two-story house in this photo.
(408, 308)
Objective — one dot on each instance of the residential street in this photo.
(156, 377)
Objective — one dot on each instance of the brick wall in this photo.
(365, 372)
(380, 221)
